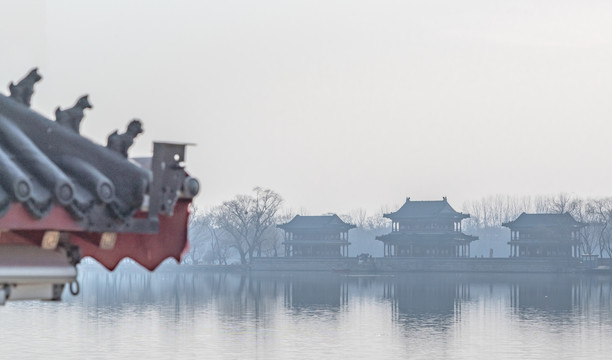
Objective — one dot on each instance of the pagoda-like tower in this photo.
(316, 236)
(544, 235)
(426, 228)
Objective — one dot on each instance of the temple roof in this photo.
(316, 223)
(543, 220)
(59, 189)
(46, 165)
(426, 210)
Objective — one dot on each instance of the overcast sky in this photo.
(338, 105)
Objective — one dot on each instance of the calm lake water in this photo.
(191, 314)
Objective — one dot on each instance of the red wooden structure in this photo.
(64, 197)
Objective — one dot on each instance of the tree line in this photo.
(245, 227)
(490, 212)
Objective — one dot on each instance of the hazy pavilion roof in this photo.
(425, 210)
(314, 223)
(543, 220)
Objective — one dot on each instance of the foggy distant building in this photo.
(544, 235)
(426, 228)
(316, 236)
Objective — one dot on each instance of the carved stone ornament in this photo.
(22, 92)
(71, 118)
(122, 142)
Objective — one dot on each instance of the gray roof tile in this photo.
(426, 209)
(543, 220)
(44, 164)
(324, 222)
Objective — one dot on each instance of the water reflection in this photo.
(426, 300)
(285, 315)
(545, 293)
(310, 292)
(408, 296)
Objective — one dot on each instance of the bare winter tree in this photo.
(208, 243)
(358, 217)
(368, 227)
(198, 238)
(362, 220)
(585, 212)
(220, 245)
(558, 204)
(274, 239)
(492, 211)
(600, 227)
(247, 220)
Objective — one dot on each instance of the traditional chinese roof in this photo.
(426, 210)
(53, 180)
(316, 223)
(525, 220)
(45, 165)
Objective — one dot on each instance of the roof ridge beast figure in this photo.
(63, 196)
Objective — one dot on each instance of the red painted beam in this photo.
(149, 250)
(17, 218)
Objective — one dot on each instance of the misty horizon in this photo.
(338, 106)
(492, 117)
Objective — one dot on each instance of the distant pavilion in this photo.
(544, 235)
(316, 236)
(426, 228)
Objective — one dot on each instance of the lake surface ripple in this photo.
(195, 314)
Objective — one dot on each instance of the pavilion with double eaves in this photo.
(426, 228)
(316, 236)
(544, 235)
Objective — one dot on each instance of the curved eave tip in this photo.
(174, 143)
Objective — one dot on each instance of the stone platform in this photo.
(407, 264)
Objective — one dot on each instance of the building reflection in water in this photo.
(545, 293)
(414, 300)
(309, 291)
(438, 299)
(427, 299)
(557, 295)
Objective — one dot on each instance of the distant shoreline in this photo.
(388, 265)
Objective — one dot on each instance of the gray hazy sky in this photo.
(334, 104)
